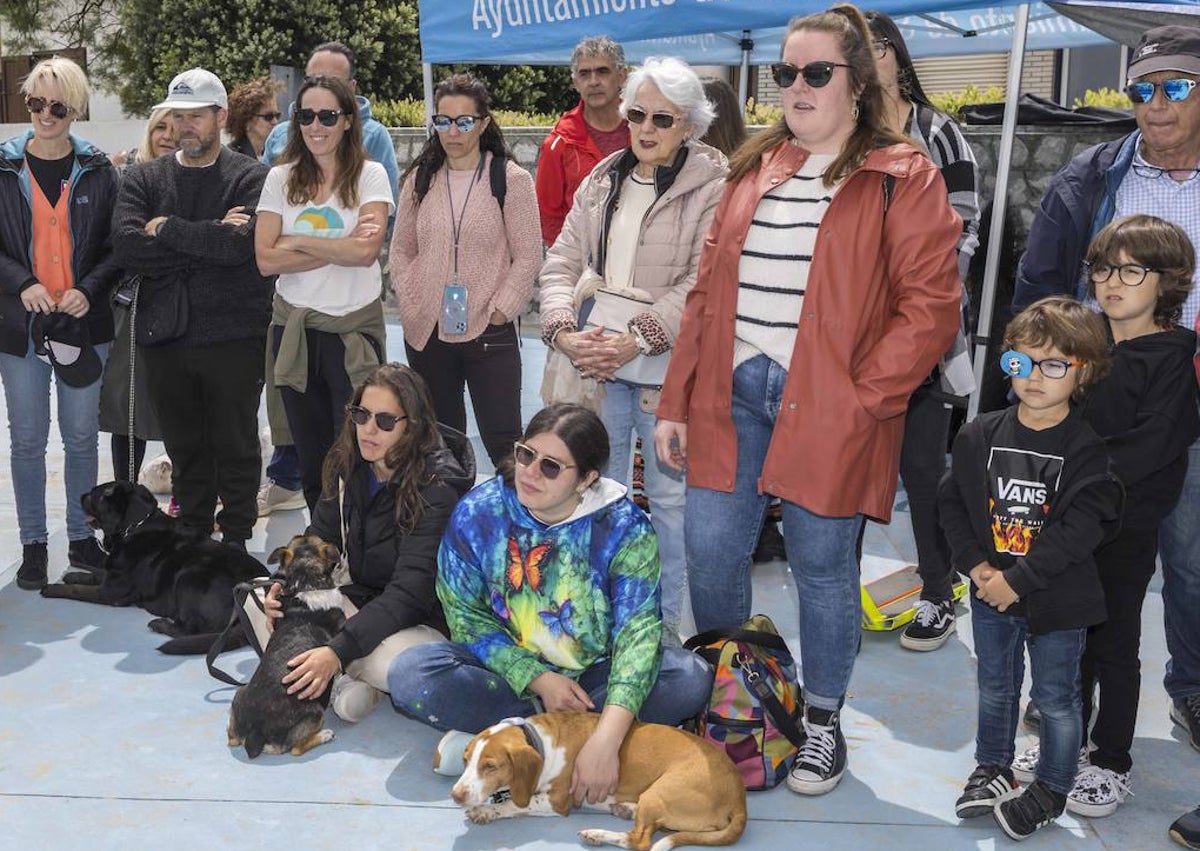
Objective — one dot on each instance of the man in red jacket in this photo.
(584, 135)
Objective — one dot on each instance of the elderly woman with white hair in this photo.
(614, 283)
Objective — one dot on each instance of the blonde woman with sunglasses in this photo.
(549, 578)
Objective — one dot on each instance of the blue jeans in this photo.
(1000, 642)
(1179, 550)
(27, 395)
(446, 686)
(284, 468)
(625, 419)
(721, 530)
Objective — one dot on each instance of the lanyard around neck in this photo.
(456, 225)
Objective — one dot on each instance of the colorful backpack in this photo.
(754, 712)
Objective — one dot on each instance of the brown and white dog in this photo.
(669, 780)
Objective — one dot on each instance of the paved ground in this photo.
(104, 743)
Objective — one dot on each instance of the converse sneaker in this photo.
(86, 554)
(1033, 809)
(1098, 791)
(1186, 830)
(987, 786)
(1185, 712)
(930, 627)
(448, 757)
(31, 576)
(822, 758)
(272, 497)
(352, 700)
(1024, 767)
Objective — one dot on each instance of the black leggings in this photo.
(922, 463)
(120, 456)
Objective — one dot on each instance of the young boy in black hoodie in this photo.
(1027, 500)
(1139, 272)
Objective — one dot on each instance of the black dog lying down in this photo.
(157, 563)
(264, 717)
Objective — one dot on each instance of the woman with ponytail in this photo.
(827, 290)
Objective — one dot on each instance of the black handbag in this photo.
(160, 310)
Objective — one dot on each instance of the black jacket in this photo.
(1145, 409)
(394, 575)
(1057, 580)
(93, 195)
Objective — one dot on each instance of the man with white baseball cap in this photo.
(185, 224)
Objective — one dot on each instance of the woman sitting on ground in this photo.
(390, 483)
(549, 577)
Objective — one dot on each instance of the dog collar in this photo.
(532, 736)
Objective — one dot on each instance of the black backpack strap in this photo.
(499, 179)
(769, 640)
(785, 723)
(237, 621)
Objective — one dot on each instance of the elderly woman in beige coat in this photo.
(614, 283)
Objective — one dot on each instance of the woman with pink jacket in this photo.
(463, 266)
(633, 236)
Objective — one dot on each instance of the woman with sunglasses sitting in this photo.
(633, 235)
(322, 218)
(549, 578)
(463, 264)
(57, 194)
(826, 293)
(389, 485)
(253, 114)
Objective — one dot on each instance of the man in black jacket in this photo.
(186, 222)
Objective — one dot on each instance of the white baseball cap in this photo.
(195, 87)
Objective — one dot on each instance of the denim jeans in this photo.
(284, 468)
(27, 395)
(624, 418)
(1000, 643)
(1179, 550)
(446, 686)
(721, 530)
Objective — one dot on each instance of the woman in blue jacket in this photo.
(56, 202)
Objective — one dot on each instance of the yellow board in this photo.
(890, 601)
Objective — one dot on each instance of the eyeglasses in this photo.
(58, 109)
(1173, 90)
(361, 416)
(327, 117)
(815, 74)
(464, 123)
(271, 116)
(1020, 365)
(1129, 274)
(661, 120)
(1151, 172)
(881, 46)
(601, 73)
(549, 467)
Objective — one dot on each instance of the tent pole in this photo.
(747, 45)
(427, 82)
(1016, 60)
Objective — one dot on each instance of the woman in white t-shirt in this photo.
(321, 222)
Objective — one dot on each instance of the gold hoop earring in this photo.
(854, 112)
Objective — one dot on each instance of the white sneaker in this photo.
(1024, 767)
(271, 497)
(352, 700)
(449, 756)
(1098, 791)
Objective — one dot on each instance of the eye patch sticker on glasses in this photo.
(1016, 364)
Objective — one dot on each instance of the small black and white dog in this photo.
(264, 718)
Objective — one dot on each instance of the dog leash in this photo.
(239, 619)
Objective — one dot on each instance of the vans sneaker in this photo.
(272, 497)
(86, 554)
(31, 576)
(986, 787)
(1186, 830)
(1024, 767)
(1098, 791)
(448, 757)
(931, 627)
(1185, 712)
(1033, 809)
(822, 759)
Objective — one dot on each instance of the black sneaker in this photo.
(31, 576)
(86, 554)
(822, 759)
(987, 786)
(1033, 809)
(1185, 712)
(930, 627)
(770, 544)
(1186, 829)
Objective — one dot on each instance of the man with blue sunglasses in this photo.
(1154, 170)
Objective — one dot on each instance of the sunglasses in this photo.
(58, 109)
(815, 74)
(1020, 365)
(270, 116)
(327, 117)
(1129, 274)
(549, 467)
(881, 46)
(1173, 90)
(464, 123)
(361, 416)
(661, 120)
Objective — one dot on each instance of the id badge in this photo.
(454, 310)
